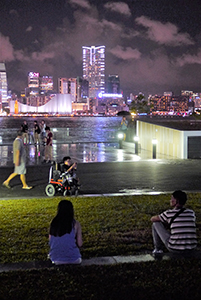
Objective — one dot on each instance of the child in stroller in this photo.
(63, 179)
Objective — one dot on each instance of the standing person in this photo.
(43, 132)
(181, 237)
(124, 126)
(24, 129)
(48, 146)
(19, 160)
(65, 236)
(36, 133)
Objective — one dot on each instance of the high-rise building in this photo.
(94, 69)
(33, 84)
(46, 84)
(3, 83)
(68, 86)
(113, 84)
(39, 85)
(63, 85)
(82, 89)
(77, 87)
(72, 88)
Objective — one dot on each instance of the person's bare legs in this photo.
(6, 182)
(24, 184)
(23, 179)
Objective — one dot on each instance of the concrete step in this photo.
(106, 260)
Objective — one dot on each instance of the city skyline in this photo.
(153, 46)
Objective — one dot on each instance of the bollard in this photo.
(154, 142)
(136, 139)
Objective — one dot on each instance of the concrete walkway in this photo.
(107, 260)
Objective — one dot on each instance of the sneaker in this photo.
(157, 251)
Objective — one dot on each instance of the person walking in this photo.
(65, 236)
(181, 236)
(19, 160)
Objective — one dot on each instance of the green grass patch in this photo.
(110, 225)
(163, 280)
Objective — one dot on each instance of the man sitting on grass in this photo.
(181, 236)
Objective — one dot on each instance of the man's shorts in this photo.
(21, 169)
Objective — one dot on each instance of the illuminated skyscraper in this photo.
(63, 85)
(94, 69)
(46, 84)
(3, 83)
(33, 84)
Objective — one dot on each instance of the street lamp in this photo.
(120, 137)
(136, 140)
(154, 143)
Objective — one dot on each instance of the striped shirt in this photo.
(182, 230)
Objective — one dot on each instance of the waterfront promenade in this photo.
(103, 168)
(120, 173)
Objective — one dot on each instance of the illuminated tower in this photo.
(33, 84)
(94, 69)
(46, 84)
(63, 85)
(3, 83)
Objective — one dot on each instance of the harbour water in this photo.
(78, 129)
(85, 139)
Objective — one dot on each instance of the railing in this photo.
(60, 135)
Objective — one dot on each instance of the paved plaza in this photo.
(104, 169)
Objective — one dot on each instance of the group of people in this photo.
(42, 135)
(39, 132)
(174, 229)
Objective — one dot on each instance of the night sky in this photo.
(153, 45)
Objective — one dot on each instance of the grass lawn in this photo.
(111, 226)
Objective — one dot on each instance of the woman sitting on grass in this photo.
(65, 236)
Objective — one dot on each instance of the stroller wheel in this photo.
(50, 190)
(65, 193)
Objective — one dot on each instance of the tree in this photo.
(139, 105)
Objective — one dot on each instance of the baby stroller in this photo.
(61, 183)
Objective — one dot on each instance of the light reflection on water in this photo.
(79, 129)
(83, 152)
(87, 139)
